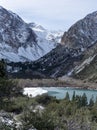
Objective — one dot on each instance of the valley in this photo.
(52, 54)
(54, 62)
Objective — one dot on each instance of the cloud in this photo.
(57, 14)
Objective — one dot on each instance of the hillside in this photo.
(20, 41)
(87, 70)
(31, 51)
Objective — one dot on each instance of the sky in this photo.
(52, 14)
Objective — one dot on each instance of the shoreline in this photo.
(80, 84)
(61, 82)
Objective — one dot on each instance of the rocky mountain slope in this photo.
(39, 50)
(58, 62)
(67, 58)
(83, 33)
(87, 69)
(20, 41)
(77, 52)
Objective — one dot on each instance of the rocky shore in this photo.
(60, 82)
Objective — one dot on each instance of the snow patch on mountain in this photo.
(46, 41)
(20, 41)
(79, 68)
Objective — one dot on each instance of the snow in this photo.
(33, 92)
(15, 44)
(6, 121)
(82, 31)
(82, 66)
(39, 108)
(53, 75)
(23, 34)
(38, 30)
(74, 36)
(46, 41)
(70, 72)
(0, 7)
(12, 56)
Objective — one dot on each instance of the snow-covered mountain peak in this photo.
(20, 41)
(37, 27)
(46, 40)
(54, 36)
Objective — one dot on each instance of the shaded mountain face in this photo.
(67, 58)
(87, 69)
(82, 34)
(58, 62)
(14, 31)
(19, 41)
(14, 34)
(52, 60)
(72, 56)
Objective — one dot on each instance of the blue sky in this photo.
(52, 14)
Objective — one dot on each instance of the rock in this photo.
(82, 34)
(21, 42)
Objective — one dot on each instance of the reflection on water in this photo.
(60, 92)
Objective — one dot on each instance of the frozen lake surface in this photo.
(59, 92)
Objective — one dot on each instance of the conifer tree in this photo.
(2, 69)
(73, 97)
(91, 102)
(67, 96)
(84, 101)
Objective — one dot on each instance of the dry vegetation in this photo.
(40, 83)
(61, 82)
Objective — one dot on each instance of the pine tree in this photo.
(78, 100)
(91, 102)
(73, 97)
(84, 101)
(67, 96)
(2, 69)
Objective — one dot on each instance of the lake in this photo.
(59, 92)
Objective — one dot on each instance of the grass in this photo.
(40, 82)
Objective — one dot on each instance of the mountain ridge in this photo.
(39, 49)
(19, 42)
(83, 33)
(73, 53)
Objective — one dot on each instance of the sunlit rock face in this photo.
(82, 34)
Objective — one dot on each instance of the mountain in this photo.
(82, 34)
(77, 51)
(87, 69)
(43, 34)
(39, 51)
(46, 40)
(58, 62)
(20, 42)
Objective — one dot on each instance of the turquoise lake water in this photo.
(60, 92)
